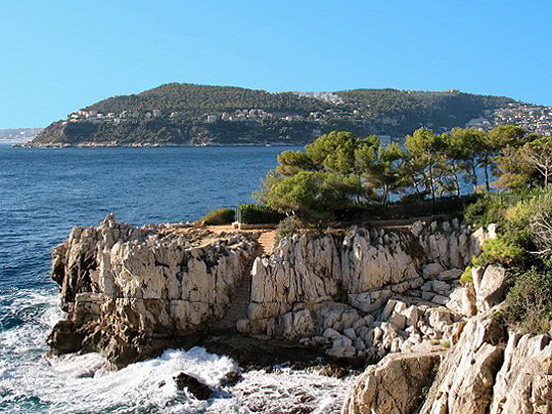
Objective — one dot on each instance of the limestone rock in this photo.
(524, 382)
(462, 301)
(394, 386)
(129, 290)
(465, 380)
(432, 270)
(451, 274)
(490, 286)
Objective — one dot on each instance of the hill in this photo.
(186, 114)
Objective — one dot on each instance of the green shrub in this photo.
(517, 224)
(467, 276)
(529, 302)
(502, 251)
(253, 213)
(219, 216)
(287, 228)
(486, 210)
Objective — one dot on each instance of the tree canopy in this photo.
(339, 170)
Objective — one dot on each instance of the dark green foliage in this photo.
(500, 251)
(219, 216)
(529, 302)
(195, 100)
(365, 213)
(253, 213)
(486, 210)
(422, 108)
(288, 227)
(313, 196)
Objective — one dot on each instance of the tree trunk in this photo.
(487, 179)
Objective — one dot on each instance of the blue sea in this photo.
(43, 193)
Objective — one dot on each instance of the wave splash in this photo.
(30, 382)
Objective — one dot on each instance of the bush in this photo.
(253, 213)
(529, 302)
(287, 228)
(500, 251)
(540, 224)
(219, 216)
(485, 211)
(467, 276)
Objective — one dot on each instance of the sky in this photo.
(58, 56)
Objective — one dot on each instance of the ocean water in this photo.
(43, 193)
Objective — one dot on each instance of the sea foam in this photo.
(30, 382)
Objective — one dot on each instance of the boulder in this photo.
(524, 382)
(490, 286)
(432, 270)
(462, 301)
(466, 376)
(393, 386)
(193, 385)
(448, 275)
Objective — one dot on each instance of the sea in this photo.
(43, 194)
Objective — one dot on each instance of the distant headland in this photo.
(186, 114)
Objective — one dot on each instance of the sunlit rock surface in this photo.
(130, 292)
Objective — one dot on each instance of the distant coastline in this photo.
(141, 145)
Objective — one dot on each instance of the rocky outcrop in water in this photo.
(130, 292)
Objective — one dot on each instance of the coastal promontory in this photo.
(187, 114)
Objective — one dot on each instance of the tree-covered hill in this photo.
(195, 100)
(186, 114)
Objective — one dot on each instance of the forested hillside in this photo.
(186, 114)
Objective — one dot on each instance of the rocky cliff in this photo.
(360, 295)
(130, 292)
(367, 292)
(489, 370)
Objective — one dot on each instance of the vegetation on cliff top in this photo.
(339, 171)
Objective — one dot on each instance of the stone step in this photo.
(266, 240)
(238, 308)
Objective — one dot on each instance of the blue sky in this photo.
(58, 56)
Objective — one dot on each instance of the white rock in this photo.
(490, 286)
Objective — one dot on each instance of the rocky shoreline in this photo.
(356, 297)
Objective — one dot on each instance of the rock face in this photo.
(130, 291)
(394, 386)
(489, 370)
(367, 292)
(493, 371)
